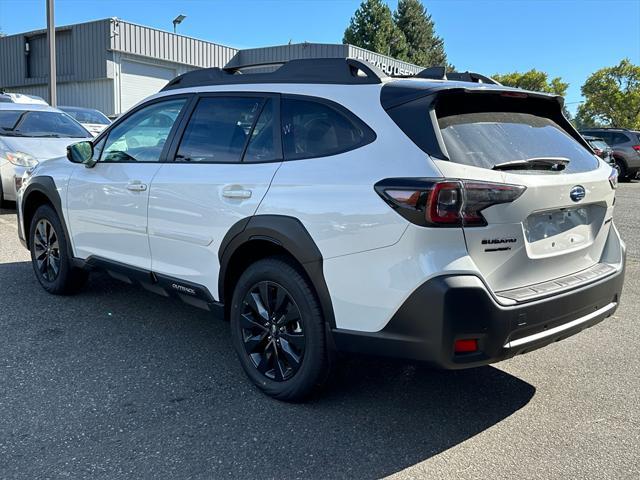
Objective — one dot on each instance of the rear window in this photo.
(87, 116)
(484, 139)
(599, 144)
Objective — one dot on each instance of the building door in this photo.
(139, 80)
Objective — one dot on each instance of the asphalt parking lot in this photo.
(116, 382)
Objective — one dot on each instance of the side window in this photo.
(263, 144)
(619, 138)
(315, 129)
(218, 129)
(141, 136)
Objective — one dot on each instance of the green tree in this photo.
(424, 47)
(534, 80)
(612, 97)
(372, 27)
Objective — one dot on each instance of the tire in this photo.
(622, 171)
(50, 254)
(3, 202)
(275, 311)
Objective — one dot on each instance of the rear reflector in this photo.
(466, 346)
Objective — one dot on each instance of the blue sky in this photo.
(567, 38)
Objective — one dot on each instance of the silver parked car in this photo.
(93, 120)
(31, 133)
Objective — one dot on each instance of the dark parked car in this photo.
(626, 148)
(602, 149)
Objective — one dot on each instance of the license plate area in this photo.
(560, 230)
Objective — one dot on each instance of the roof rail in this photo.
(345, 71)
(440, 73)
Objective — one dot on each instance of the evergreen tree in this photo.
(424, 47)
(372, 27)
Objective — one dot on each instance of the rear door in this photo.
(221, 167)
(559, 225)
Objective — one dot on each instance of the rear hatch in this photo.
(553, 235)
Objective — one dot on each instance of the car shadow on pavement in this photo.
(9, 210)
(116, 379)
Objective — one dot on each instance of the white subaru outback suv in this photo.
(324, 207)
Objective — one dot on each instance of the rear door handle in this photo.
(240, 193)
(136, 186)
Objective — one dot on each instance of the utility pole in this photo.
(51, 40)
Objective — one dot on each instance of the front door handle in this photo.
(240, 193)
(136, 186)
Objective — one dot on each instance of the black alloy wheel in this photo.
(272, 331)
(50, 254)
(278, 330)
(46, 250)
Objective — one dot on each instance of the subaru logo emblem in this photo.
(577, 193)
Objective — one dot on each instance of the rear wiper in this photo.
(536, 163)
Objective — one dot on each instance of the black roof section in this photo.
(408, 89)
(342, 71)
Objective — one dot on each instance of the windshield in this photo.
(28, 123)
(83, 115)
(484, 139)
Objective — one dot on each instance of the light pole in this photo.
(51, 40)
(177, 21)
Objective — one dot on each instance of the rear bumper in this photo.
(447, 308)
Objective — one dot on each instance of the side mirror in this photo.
(81, 152)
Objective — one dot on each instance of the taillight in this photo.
(613, 178)
(636, 148)
(445, 203)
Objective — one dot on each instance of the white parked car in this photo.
(326, 207)
(31, 133)
(93, 120)
(21, 98)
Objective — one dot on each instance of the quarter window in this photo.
(315, 129)
(141, 136)
(219, 128)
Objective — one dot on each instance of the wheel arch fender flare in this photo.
(289, 234)
(46, 186)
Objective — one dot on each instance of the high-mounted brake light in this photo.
(445, 203)
(514, 94)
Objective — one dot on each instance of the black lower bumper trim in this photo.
(447, 308)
